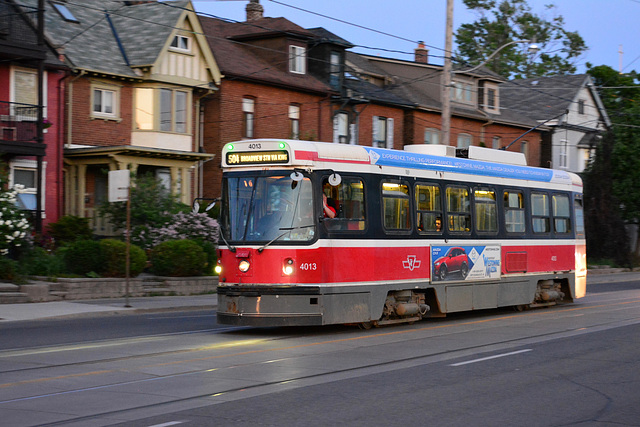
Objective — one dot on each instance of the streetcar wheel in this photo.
(365, 325)
(442, 274)
(464, 270)
(521, 307)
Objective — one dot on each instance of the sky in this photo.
(397, 26)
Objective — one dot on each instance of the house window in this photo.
(341, 128)
(170, 114)
(464, 140)
(180, 43)
(297, 59)
(462, 92)
(64, 11)
(562, 155)
(103, 102)
(382, 132)
(173, 111)
(248, 111)
(144, 109)
(294, 119)
(496, 143)
(431, 136)
(581, 106)
(25, 91)
(334, 70)
(524, 148)
(24, 174)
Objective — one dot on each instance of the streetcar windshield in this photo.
(264, 208)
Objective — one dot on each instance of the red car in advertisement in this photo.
(454, 261)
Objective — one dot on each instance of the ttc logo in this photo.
(411, 262)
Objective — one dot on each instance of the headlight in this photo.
(287, 268)
(244, 266)
(218, 269)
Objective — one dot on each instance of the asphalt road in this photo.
(570, 365)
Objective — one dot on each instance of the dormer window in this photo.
(180, 43)
(462, 92)
(297, 59)
(491, 102)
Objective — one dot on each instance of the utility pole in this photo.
(446, 78)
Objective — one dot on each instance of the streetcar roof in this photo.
(509, 165)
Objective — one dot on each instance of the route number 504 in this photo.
(308, 266)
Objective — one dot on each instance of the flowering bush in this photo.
(14, 226)
(189, 225)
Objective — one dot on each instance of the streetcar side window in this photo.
(458, 209)
(540, 212)
(578, 212)
(395, 206)
(514, 212)
(561, 213)
(486, 210)
(347, 199)
(428, 208)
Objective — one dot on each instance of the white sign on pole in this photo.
(119, 182)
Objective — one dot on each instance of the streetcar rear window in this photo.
(540, 212)
(561, 213)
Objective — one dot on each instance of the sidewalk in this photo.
(43, 310)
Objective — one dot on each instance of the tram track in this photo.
(334, 375)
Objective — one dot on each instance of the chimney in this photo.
(422, 53)
(254, 10)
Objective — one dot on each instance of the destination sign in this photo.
(257, 157)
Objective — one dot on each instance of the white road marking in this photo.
(491, 357)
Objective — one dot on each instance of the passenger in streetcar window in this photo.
(329, 211)
(438, 224)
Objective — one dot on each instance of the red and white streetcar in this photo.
(416, 233)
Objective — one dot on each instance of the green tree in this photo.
(620, 94)
(503, 21)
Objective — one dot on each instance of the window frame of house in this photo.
(382, 132)
(563, 154)
(162, 109)
(297, 59)
(30, 166)
(334, 69)
(524, 149)
(341, 128)
(464, 140)
(19, 95)
(294, 121)
(248, 116)
(64, 12)
(115, 94)
(581, 105)
(462, 91)
(491, 98)
(180, 40)
(431, 136)
(496, 142)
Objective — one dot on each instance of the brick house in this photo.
(284, 81)
(30, 131)
(139, 73)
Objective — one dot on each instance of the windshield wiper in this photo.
(231, 248)
(287, 230)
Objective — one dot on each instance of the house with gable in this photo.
(139, 73)
(30, 123)
(285, 81)
(572, 111)
(479, 117)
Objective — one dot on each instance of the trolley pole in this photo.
(128, 249)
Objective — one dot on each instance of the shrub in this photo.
(178, 258)
(39, 262)
(114, 254)
(70, 228)
(82, 257)
(8, 269)
(14, 226)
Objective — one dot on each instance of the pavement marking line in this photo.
(491, 357)
(360, 337)
(167, 424)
